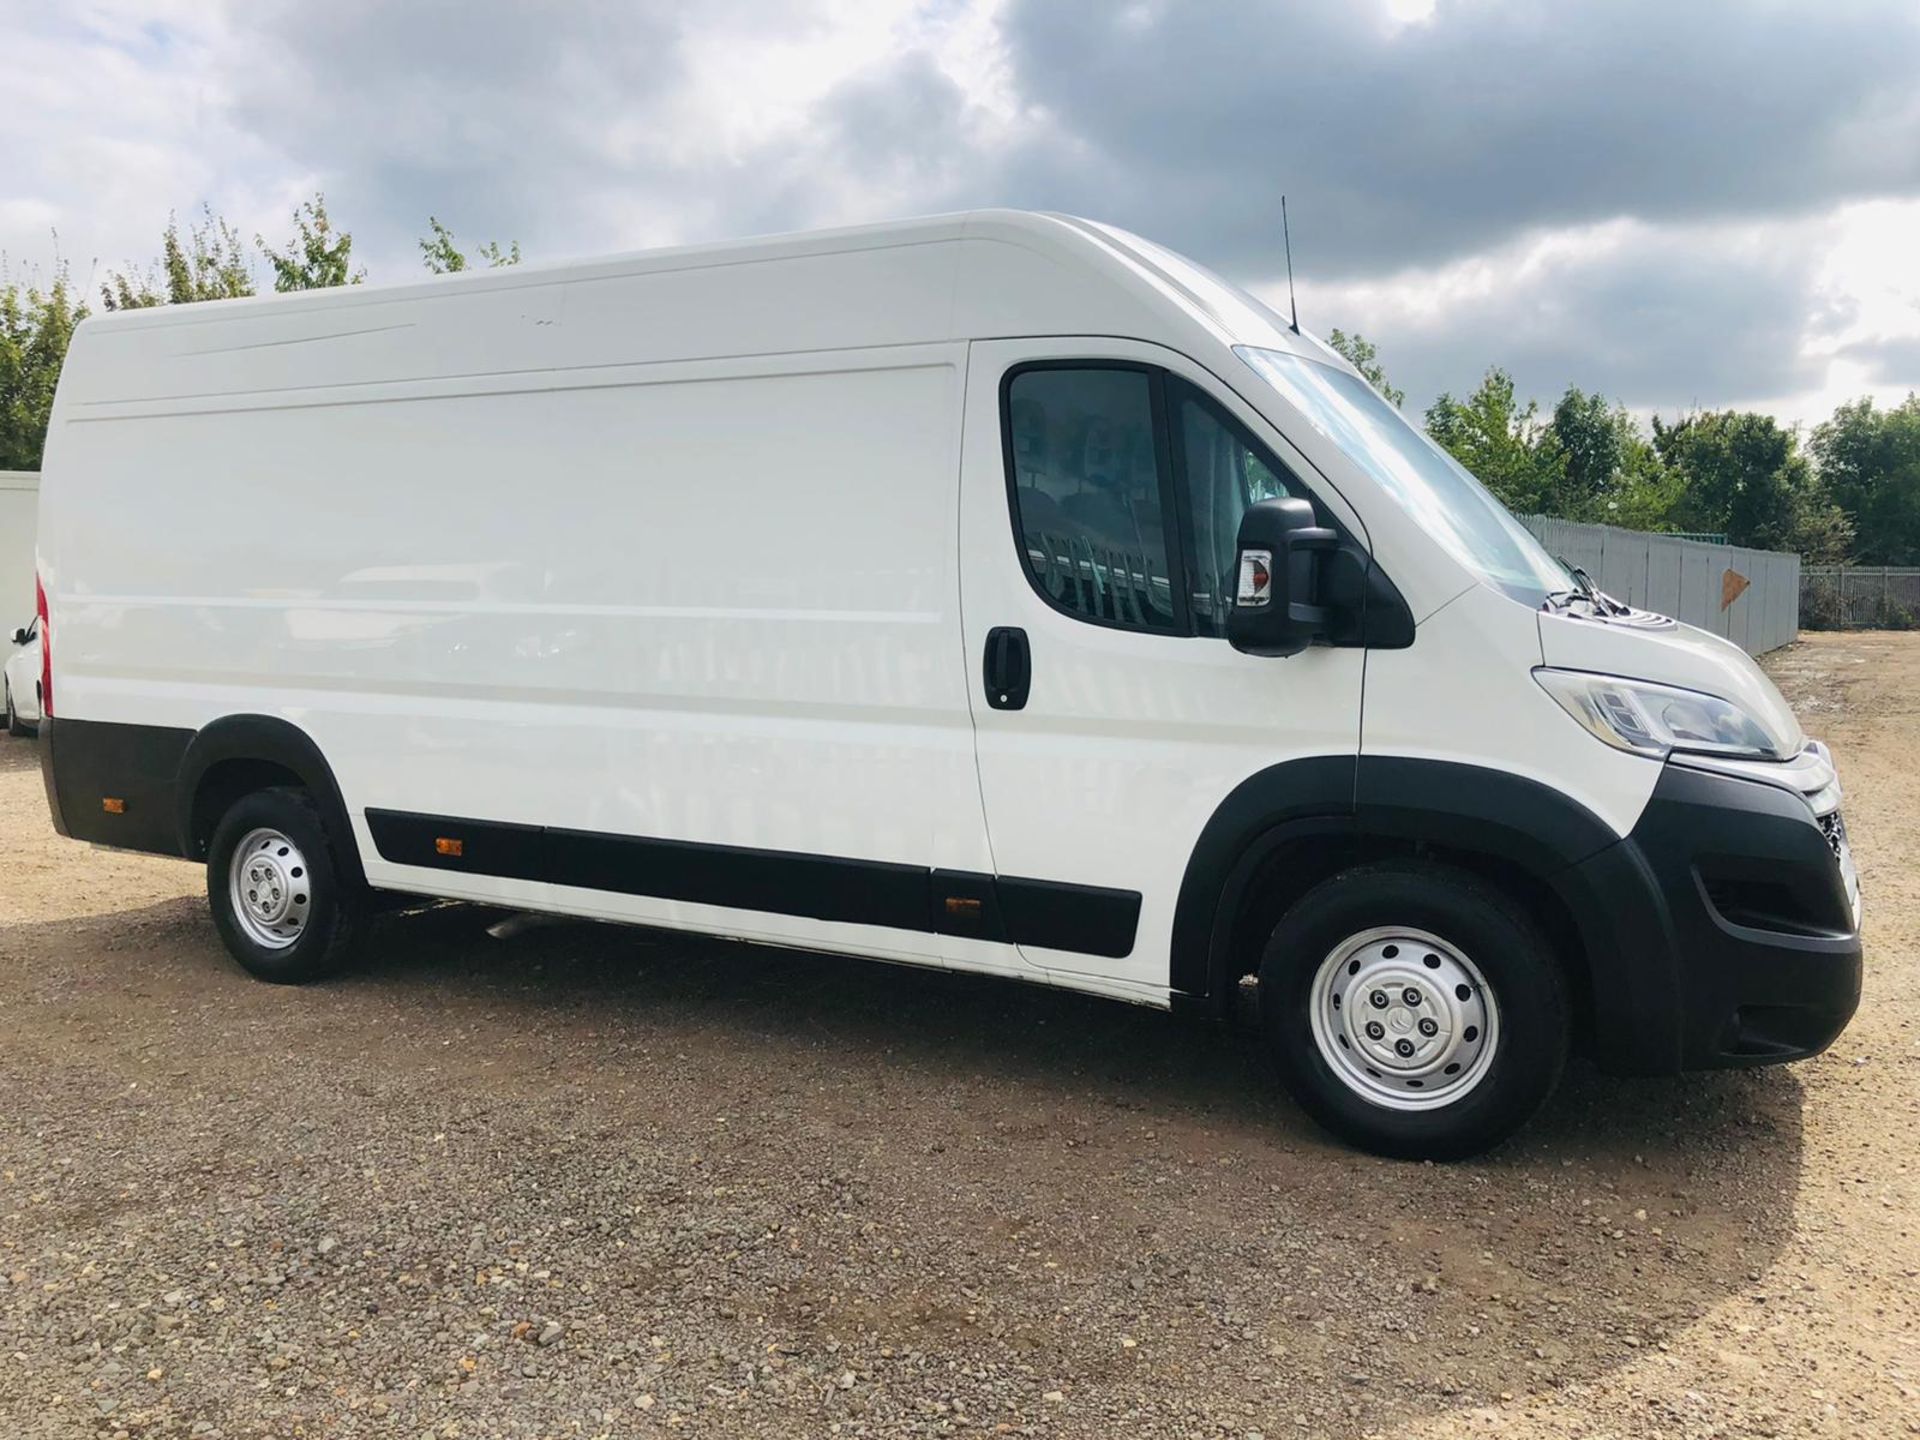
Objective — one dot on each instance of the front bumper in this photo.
(1725, 930)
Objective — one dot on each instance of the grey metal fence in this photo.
(19, 505)
(1860, 597)
(1752, 597)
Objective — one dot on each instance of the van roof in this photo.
(976, 275)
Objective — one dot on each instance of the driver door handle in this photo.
(1008, 671)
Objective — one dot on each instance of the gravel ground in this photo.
(583, 1181)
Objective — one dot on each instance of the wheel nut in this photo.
(1427, 1027)
(1378, 999)
(1375, 1030)
(1411, 997)
(1403, 1048)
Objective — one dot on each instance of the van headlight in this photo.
(1650, 719)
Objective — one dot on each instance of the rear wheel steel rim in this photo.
(270, 887)
(1403, 1018)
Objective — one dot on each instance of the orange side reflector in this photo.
(113, 805)
(444, 846)
(962, 905)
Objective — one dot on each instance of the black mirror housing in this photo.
(20, 636)
(1276, 607)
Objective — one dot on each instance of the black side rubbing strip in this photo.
(967, 903)
(83, 762)
(1082, 919)
(814, 886)
(506, 852)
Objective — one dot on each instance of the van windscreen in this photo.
(1424, 480)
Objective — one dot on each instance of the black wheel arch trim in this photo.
(1310, 795)
(268, 739)
(1458, 806)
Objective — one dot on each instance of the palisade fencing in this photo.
(1752, 597)
(1860, 597)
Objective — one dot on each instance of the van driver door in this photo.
(1101, 489)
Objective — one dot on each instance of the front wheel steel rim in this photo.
(1403, 1018)
(271, 888)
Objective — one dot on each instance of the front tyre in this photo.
(279, 898)
(1414, 1010)
(16, 727)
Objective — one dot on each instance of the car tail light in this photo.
(46, 648)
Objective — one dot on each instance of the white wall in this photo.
(19, 501)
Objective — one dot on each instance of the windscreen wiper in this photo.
(1605, 602)
(1584, 589)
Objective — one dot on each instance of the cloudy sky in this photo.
(1678, 202)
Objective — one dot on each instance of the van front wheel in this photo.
(279, 899)
(1414, 1010)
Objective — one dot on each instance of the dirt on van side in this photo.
(585, 1181)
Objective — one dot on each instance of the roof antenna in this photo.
(1287, 235)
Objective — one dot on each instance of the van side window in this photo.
(1225, 473)
(1088, 484)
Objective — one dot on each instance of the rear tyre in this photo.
(16, 727)
(1414, 1010)
(281, 900)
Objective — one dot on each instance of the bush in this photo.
(1821, 607)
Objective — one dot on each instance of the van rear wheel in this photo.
(279, 898)
(1414, 1010)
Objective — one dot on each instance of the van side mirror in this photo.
(20, 636)
(1276, 609)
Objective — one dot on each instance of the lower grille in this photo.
(1835, 829)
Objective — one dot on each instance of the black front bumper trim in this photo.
(1722, 930)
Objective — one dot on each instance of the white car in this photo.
(23, 681)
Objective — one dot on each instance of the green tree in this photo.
(444, 257)
(211, 263)
(1502, 442)
(1744, 474)
(1645, 490)
(317, 257)
(1869, 462)
(1585, 428)
(35, 328)
(1360, 353)
(1611, 472)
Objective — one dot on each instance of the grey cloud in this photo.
(1446, 136)
(1890, 362)
(497, 117)
(1185, 121)
(1495, 120)
(909, 120)
(1671, 322)
(903, 129)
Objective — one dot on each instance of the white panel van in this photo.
(998, 592)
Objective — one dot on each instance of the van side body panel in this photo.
(659, 550)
